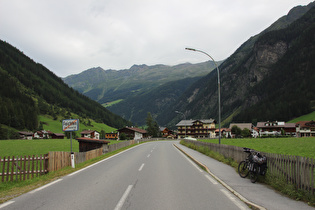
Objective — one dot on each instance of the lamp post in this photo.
(219, 96)
(184, 118)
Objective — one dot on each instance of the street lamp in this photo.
(184, 118)
(219, 96)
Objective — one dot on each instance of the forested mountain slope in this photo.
(270, 77)
(28, 89)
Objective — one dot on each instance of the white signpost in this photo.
(70, 125)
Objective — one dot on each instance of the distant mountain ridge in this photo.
(110, 85)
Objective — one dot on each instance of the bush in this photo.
(122, 136)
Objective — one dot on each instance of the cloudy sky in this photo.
(70, 36)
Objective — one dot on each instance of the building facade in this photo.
(133, 133)
(196, 128)
(305, 128)
(90, 134)
(276, 128)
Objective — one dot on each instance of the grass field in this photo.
(307, 117)
(304, 147)
(111, 103)
(55, 126)
(43, 146)
(37, 147)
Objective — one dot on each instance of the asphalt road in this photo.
(153, 175)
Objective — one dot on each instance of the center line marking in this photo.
(141, 167)
(148, 155)
(123, 198)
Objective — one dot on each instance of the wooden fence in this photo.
(296, 170)
(59, 160)
(16, 168)
(22, 168)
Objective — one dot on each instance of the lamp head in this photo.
(188, 48)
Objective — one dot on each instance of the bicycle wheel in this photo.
(253, 175)
(243, 169)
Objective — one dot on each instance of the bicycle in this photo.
(254, 165)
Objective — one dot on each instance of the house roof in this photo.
(223, 129)
(191, 122)
(134, 129)
(306, 124)
(88, 131)
(275, 125)
(242, 125)
(44, 132)
(26, 133)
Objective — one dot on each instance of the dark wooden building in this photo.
(87, 144)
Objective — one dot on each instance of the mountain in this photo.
(111, 85)
(28, 89)
(270, 77)
(260, 81)
(136, 108)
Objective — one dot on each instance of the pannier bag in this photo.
(260, 159)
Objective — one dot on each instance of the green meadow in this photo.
(304, 147)
(38, 146)
(43, 146)
(307, 117)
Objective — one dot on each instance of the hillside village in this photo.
(206, 129)
(196, 129)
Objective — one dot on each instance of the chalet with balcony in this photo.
(25, 135)
(133, 133)
(196, 128)
(305, 128)
(90, 134)
(165, 132)
(43, 134)
(225, 132)
(276, 128)
(112, 136)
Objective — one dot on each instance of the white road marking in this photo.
(151, 150)
(47, 185)
(211, 179)
(101, 161)
(123, 198)
(148, 155)
(237, 202)
(189, 160)
(6, 204)
(141, 167)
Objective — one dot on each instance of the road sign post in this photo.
(70, 125)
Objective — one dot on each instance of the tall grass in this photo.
(273, 145)
(304, 147)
